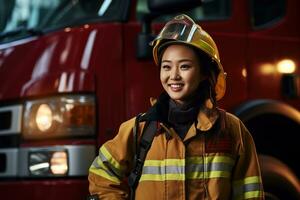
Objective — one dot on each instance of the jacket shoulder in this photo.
(233, 122)
(232, 118)
(125, 133)
(129, 124)
(125, 130)
(238, 131)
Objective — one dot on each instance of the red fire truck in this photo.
(72, 70)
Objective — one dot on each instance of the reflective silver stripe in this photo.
(107, 162)
(249, 187)
(189, 168)
(103, 167)
(106, 166)
(209, 167)
(163, 170)
(216, 167)
(95, 163)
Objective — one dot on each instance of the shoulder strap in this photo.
(135, 132)
(141, 153)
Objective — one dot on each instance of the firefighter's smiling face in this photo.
(180, 72)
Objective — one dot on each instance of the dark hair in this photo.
(209, 68)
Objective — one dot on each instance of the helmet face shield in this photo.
(178, 30)
(183, 29)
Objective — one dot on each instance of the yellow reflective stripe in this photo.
(211, 174)
(210, 159)
(163, 163)
(195, 160)
(254, 194)
(248, 180)
(250, 195)
(190, 160)
(110, 158)
(166, 162)
(175, 169)
(250, 187)
(162, 177)
(181, 177)
(104, 174)
(218, 159)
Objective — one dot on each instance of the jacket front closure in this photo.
(175, 145)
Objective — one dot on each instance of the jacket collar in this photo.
(206, 118)
(159, 112)
(159, 109)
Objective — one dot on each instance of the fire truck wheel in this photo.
(279, 181)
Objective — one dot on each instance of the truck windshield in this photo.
(22, 18)
(209, 10)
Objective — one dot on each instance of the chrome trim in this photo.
(16, 119)
(11, 162)
(17, 42)
(80, 157)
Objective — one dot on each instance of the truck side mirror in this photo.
(144, 50)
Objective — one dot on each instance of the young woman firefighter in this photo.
(196, 151)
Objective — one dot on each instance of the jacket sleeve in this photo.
(247, 183)
(112, 165)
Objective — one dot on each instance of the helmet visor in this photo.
(180, 30)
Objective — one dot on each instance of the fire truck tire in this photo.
(280, 183)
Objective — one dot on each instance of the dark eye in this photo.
(166, 67)
(185, 67)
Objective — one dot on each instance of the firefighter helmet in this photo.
(182, 29)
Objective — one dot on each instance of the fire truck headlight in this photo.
(48, 163)
(44, 117)
(38, 164)
(63, 116)
(59, 163)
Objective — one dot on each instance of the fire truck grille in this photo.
(2, 162)
(5, 120)
(10, 125)
(7, 141)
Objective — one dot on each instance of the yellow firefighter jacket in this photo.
(211, 162)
